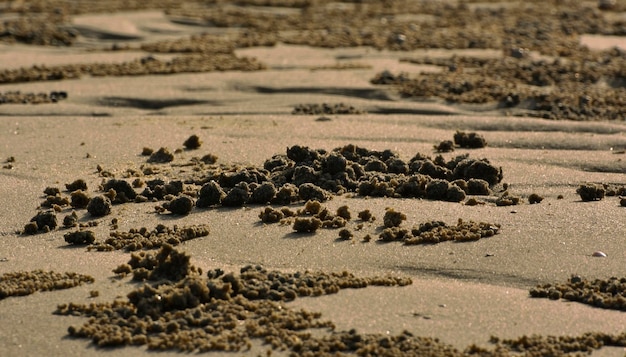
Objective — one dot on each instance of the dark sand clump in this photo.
(78, 184)
(124, 192)
(345, 234)
(99, 206)
(163, 155)
(366, 216)
(393, 218)
(26, 283)
(158, 189)
(181, 205)
(193, 142)
(507, 199)
(43, 221)
(306, 225)
(70, 220)
(469, 140)
(80, 237)
(211, 194)
(591, 192)
(55, 202)
(444, 146)
(534, 198)
(79, 199)
(51, 191)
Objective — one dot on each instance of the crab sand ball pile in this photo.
(441, 178)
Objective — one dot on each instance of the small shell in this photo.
(598, 254)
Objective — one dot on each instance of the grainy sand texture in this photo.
(312, 177)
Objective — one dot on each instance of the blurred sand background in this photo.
(462, 293)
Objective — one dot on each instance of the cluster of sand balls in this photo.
(548, 26)
(114, 191)
(255, 282)
(518, 84)
(28, 282)
(372, 173)
(537, 345)
(462, 139)
(308, 219)
(184, 311)
(314, 216)
(433, 232)
(597, 191)
(143, 238)
(604, 293)
(517, 80)
(17, 97)
(373, 24)
(168, 263)
(143, 66)
(47, 29)
(304, 174)
(73, 8)
(325, 108)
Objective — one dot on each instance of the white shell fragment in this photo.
(598, 254)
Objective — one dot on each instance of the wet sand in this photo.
(461, 293)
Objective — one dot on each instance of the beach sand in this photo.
(462, 293)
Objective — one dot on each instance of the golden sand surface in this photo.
(315, 177)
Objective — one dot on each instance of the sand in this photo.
(461, 293)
